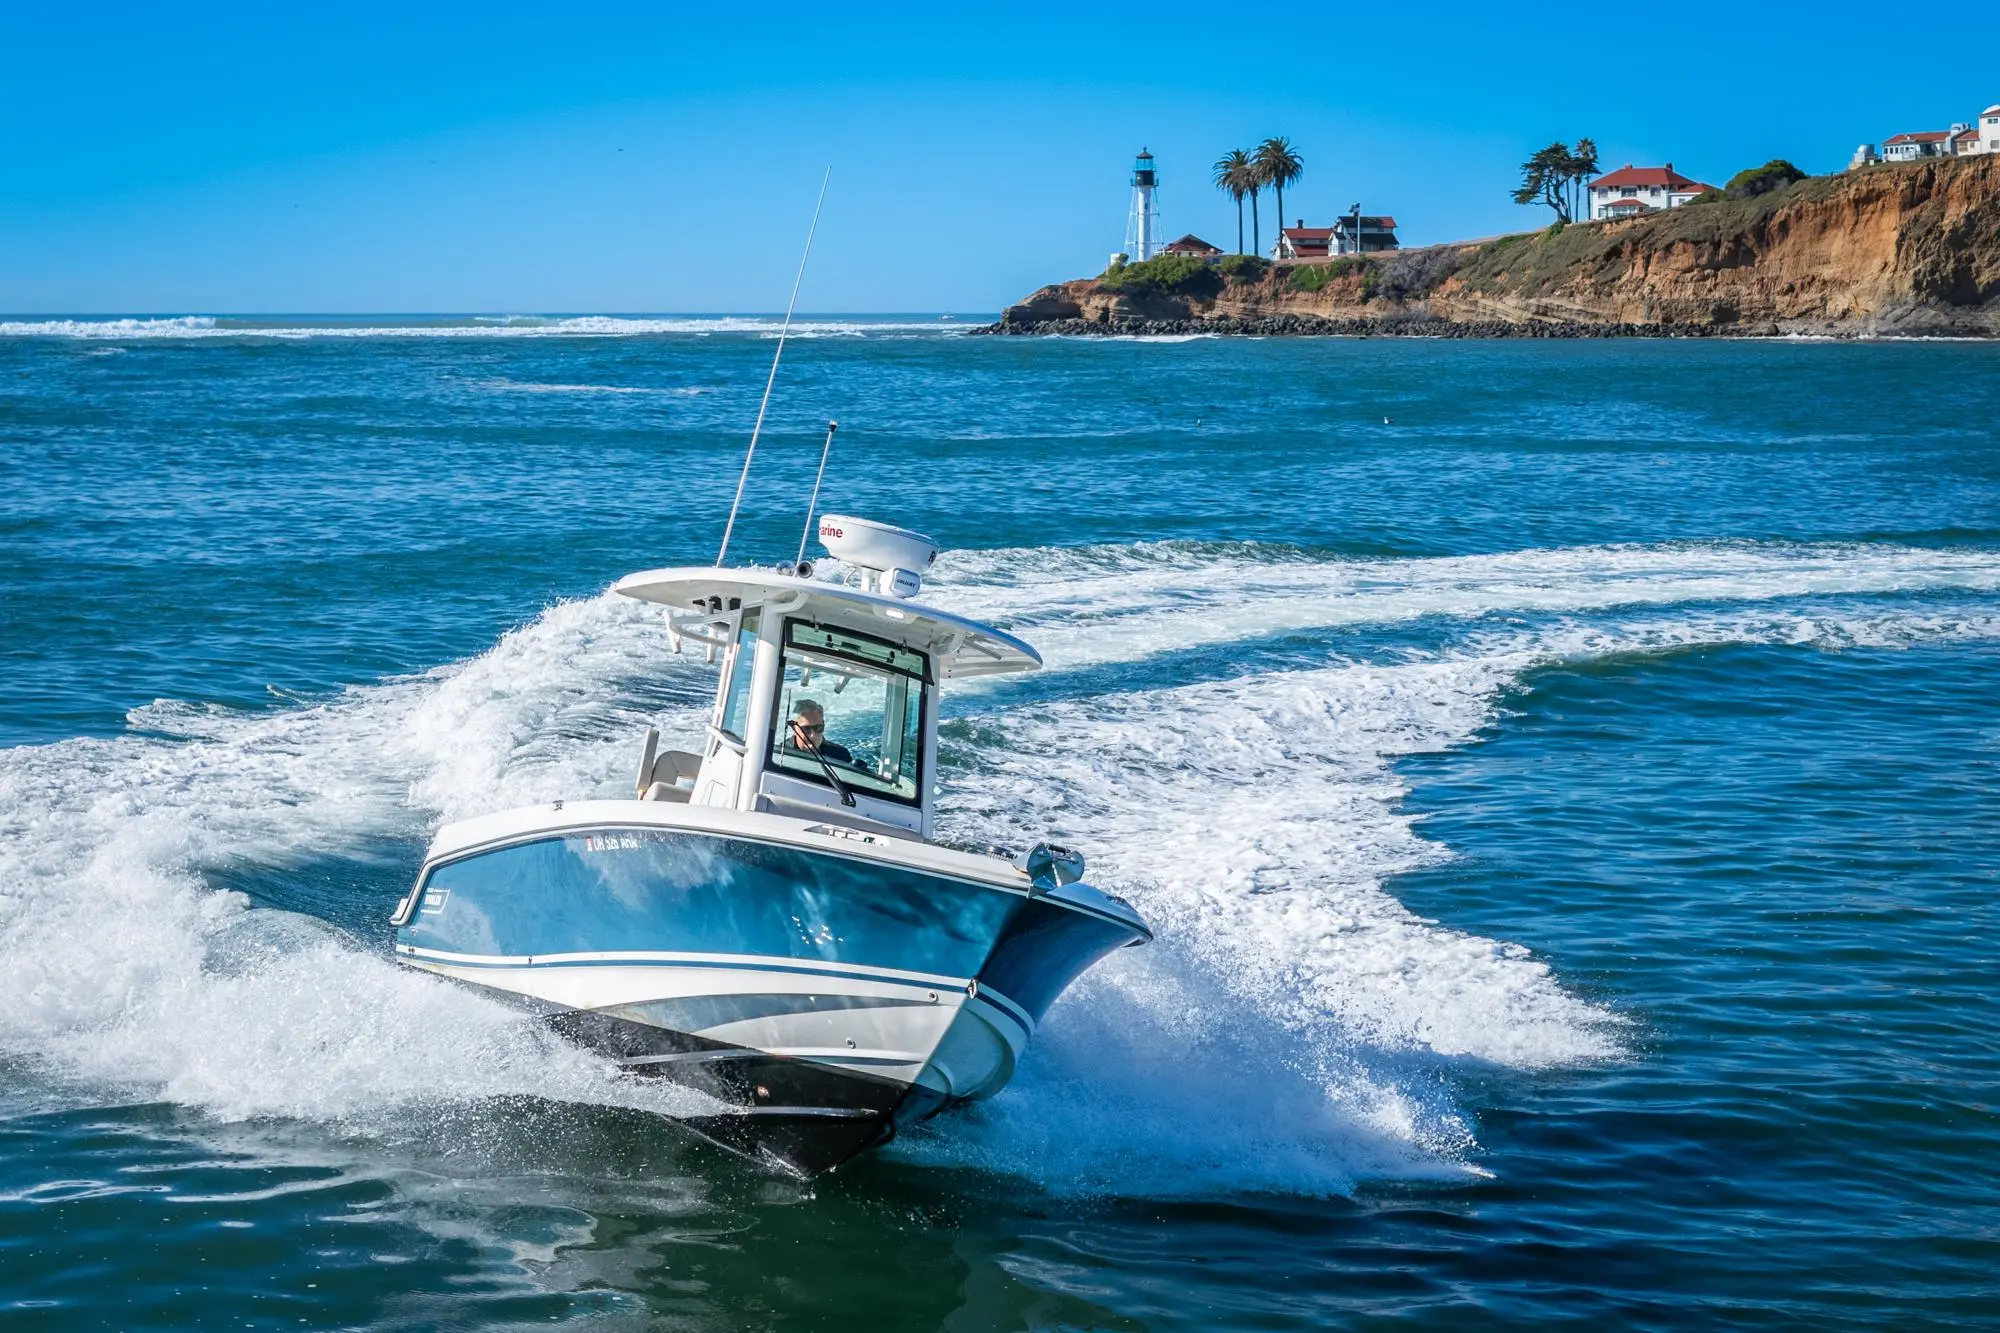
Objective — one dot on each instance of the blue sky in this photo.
(518, 159)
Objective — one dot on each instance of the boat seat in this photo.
(666, 775)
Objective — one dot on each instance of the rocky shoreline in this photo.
(1391, 326)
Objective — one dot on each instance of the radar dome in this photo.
(896, 557)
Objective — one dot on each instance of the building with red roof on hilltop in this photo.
(1965, 139)
(1361, 234)
(1191, 244)
(1303, 242)
(1348, 235)
(1922, 143)
(1630, 191)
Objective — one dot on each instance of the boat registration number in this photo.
(613, 842)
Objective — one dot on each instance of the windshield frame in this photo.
(737, 683)
(911, 664)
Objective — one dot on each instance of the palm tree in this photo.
(1232, 176)
(1584, 163)
(1279, 165)
(1254, 177)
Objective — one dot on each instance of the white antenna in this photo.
(812, 504)
(755, 430)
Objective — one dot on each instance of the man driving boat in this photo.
(808, 733)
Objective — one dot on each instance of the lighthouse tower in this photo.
(1142, 229)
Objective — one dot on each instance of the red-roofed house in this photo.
(1961, 140)
(1910, 147)
(1376, 234)
(1983, 137)
(1191, 244)
(1303, 242)
(1630, 191)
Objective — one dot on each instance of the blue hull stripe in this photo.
(1006, 1006)
(914, 981)
(846, 974)
(650, 958)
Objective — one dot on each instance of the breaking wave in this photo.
(513, 326)
(682, 391)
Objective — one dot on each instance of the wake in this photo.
(1294, 1027)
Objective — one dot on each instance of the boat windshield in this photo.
(742, 668)
(858, 702)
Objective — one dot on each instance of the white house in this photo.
(1630, 191)
(1374, 234)
(1921, 143)
(1961, 140)
(1303, 242)
(1348, 235)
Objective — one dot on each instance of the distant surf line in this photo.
(467, 326)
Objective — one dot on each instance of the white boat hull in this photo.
(818, 1039)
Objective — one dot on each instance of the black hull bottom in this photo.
(801, 1115)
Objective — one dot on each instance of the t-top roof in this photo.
(959, 647)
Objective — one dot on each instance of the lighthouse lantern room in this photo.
(1142, 229)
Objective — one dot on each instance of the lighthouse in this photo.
(1142, 229)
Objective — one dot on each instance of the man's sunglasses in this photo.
(819, 727)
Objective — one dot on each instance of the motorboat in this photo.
(769, 918)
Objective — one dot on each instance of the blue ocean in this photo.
(1564, 780)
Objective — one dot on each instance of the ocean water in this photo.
(1565, 780)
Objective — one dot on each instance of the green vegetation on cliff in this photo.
(1753, 181)
(1179, 275)
(1315, 277)
(1536, 263)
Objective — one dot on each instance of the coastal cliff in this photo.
(1904, 249)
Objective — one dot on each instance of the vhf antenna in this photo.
(755, 430)
(799, 564)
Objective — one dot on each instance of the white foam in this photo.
(185, 326)
(579, 326)
(1099, 604)
(1149, 1079)
(1294, 1022)
(684, 391)
(1253, 819)
(123, 967)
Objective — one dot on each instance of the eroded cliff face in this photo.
(1902, 249)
